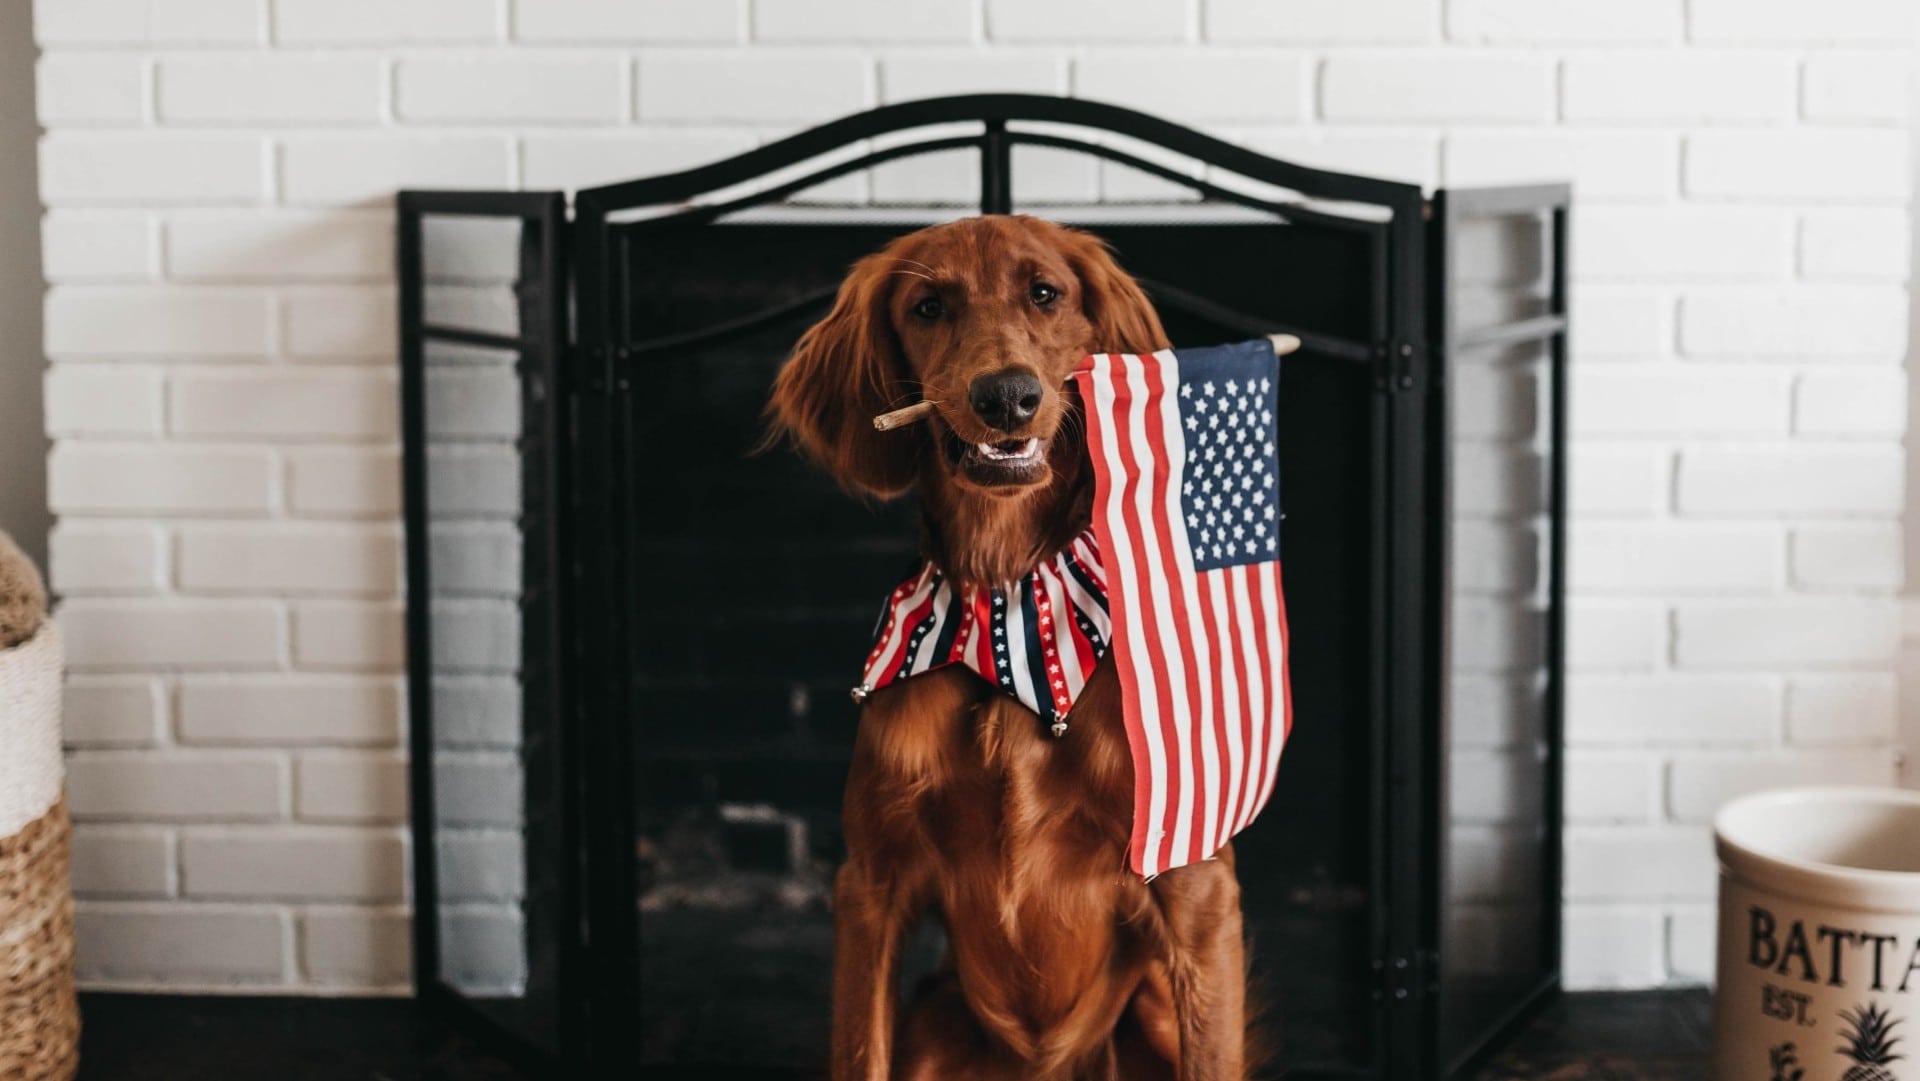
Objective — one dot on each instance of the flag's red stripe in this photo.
(1149, 565)
(1173, 657)
(1282, 705)
(1101, 444)
(1230, 763)
(1253, 651)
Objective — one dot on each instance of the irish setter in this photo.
(1061, 963)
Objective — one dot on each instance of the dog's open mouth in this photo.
(1007, 461)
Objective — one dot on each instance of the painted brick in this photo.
(293, 864)
(1699, 785)
(209, 946)
(120, 321)
(87, 246)
(1873, 22)
(1077, 21)
(134, 477)
(1609, 788)
(331, 405)
(178, 633)
(1502, 22)
(478, 788)
(273, 90)
(907, 75)
(1807, 480)
(1679, 400)
(1628, 712)
(885, 21)
(1611, 948)
(1692, 934)
(509, 89)
(1237, 21)
(1864, 402)
(1643, 244)
(290, 710)
(347, 635)
(597, 22)
(122, 861)
(1412, 88)
(1637, 165)
(1407, 157)
(105, 557)
(102, 399)
(1199, 84)
(333, 786)
(343, 483)
(1780, 633)
(175, 786)
(583, 161)
(1664, 558)
(475, 636)
(150, 169)
(388, 22)
(1634, 864)
(356, 948)
(482, 865)
(1618, 481)
(1841, 709)
(1867, 86)
(1826, 165)
(1611, 636)
(335, 170)
(342, 322)
(289, 559)
(1855, 244)
(731, 86)
(1802, 322)
(91, 88)
(1678, 86)
(112, 711)
(279, 246)
(1867, 555)
(477, 711)
(1618, 322)
(148, 22)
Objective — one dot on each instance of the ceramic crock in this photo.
(1819, 952)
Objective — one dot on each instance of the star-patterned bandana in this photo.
(1037, 638)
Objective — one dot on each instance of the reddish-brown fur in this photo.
(1061, 964)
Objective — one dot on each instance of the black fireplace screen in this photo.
(632, 637)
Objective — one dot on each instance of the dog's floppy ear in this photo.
(845, 370)
(1123, 318)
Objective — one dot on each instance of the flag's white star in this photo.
(1209, 387)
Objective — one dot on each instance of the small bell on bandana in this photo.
(1059, 729)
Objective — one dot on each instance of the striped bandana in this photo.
(1037, 638)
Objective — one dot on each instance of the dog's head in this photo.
(985, 317)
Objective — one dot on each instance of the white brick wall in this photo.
(216, 175)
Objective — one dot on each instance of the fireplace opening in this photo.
(632, 638)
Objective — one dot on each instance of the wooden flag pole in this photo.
(918, 411)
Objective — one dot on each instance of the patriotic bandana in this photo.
(1037, 639)
(1179, 575)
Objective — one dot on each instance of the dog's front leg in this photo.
(869, 917)
(1207, 965)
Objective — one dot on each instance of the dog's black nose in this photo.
(1006, 399)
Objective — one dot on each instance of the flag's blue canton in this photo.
(1230, 490)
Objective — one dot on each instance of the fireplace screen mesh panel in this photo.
(632, 630)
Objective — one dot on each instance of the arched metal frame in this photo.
(1406, 354)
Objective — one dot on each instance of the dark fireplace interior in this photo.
(635, 631)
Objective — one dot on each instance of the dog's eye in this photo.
(930, 308)
(1043, 294)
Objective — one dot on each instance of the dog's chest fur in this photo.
(1025, 835)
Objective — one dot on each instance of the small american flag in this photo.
(1187, 515)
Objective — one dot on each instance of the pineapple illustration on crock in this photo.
(1870, 1043)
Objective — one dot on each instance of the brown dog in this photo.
(1062, 964)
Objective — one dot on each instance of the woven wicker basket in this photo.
(39, 1015)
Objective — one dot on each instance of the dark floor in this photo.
(1641, 1036)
